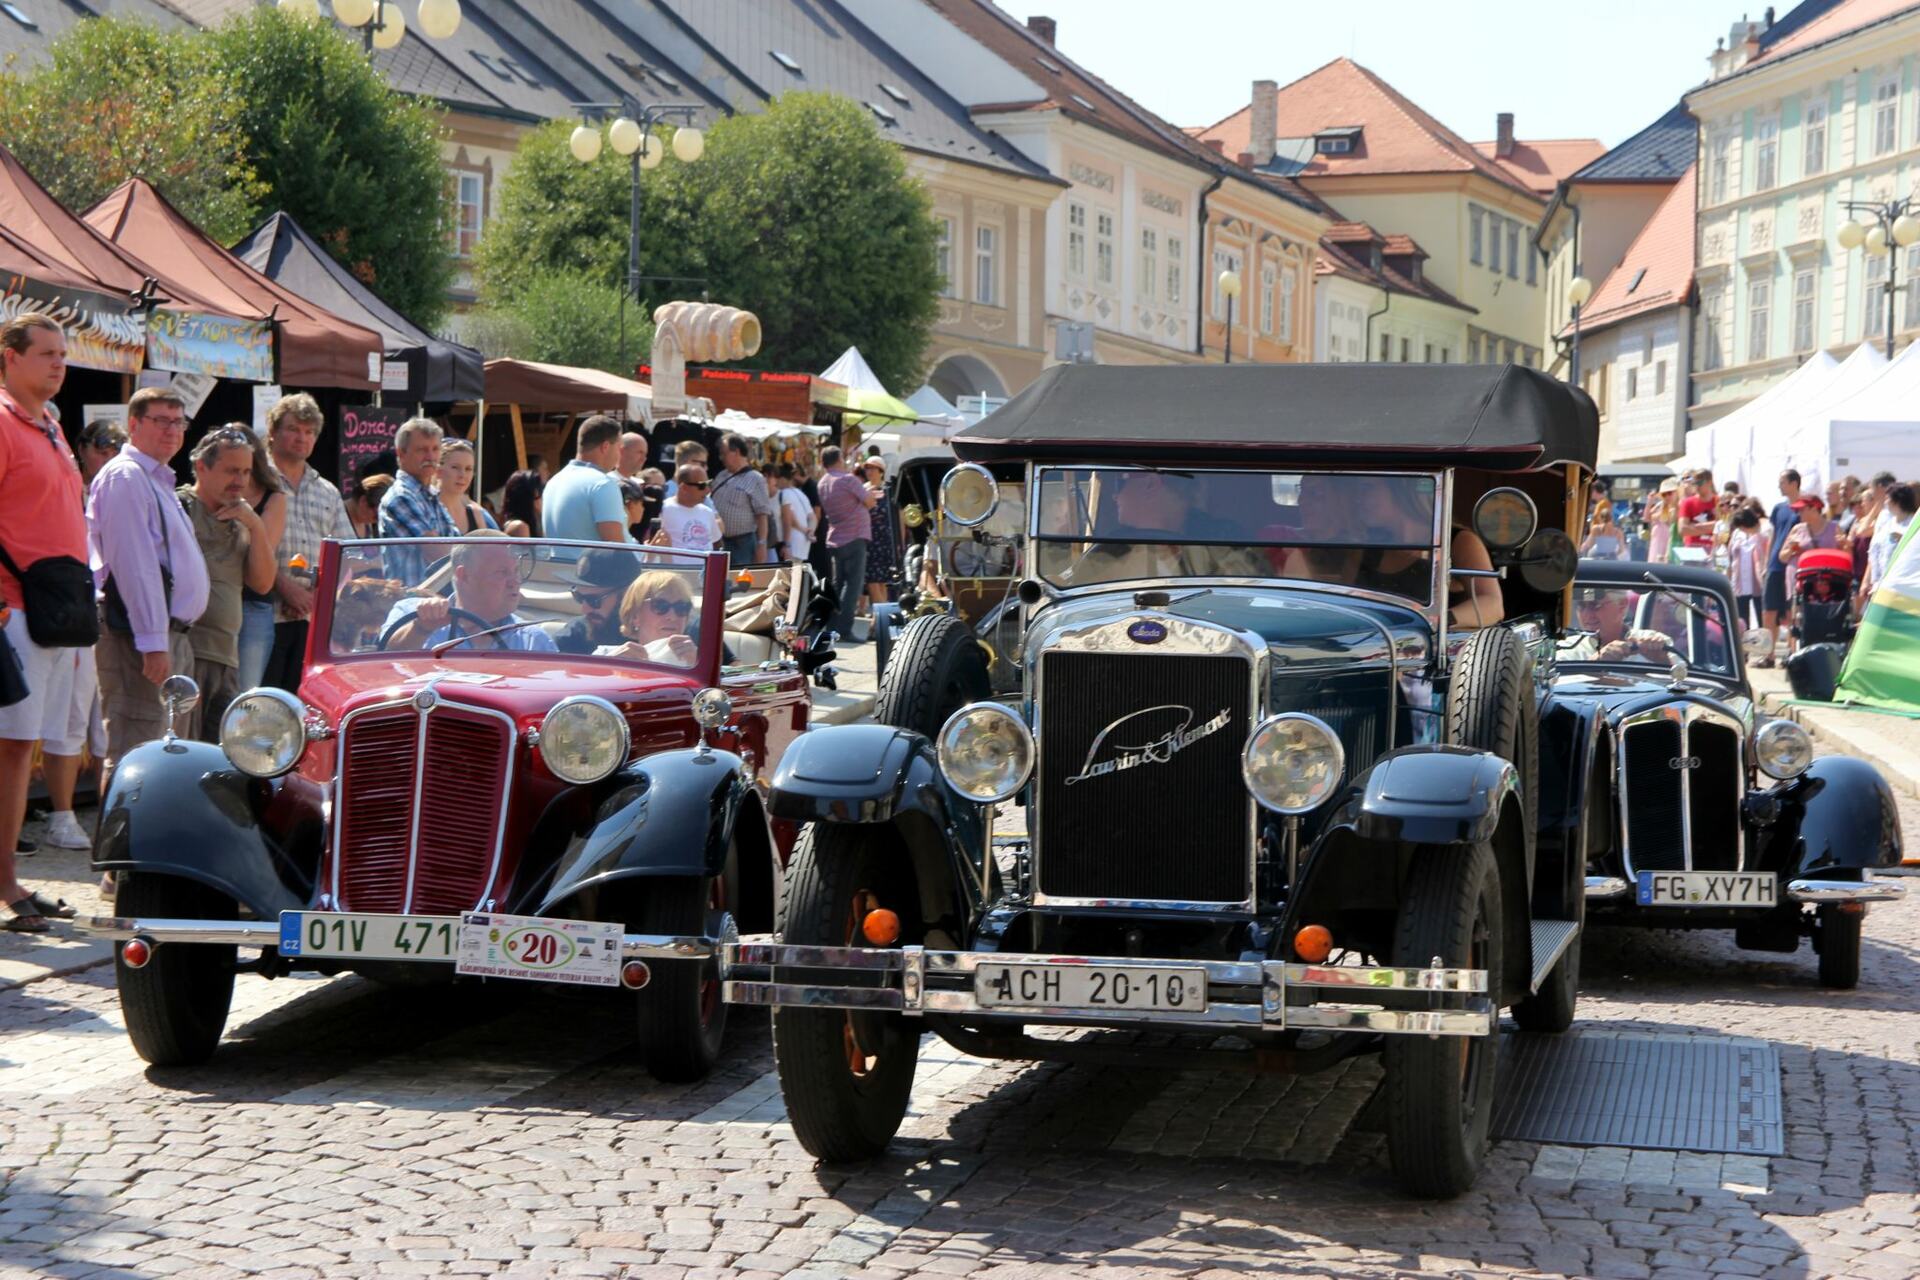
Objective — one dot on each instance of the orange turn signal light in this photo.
(881, 927)
(1313, 944)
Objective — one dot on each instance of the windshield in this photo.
(1645, 626)
(498, 594)
(1371, 531)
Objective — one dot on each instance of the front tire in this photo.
(683, 1020)
(1440, 1088)
(1837, 939)
(176, 1006)
(845, 1074)
(936, 667)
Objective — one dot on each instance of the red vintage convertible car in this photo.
(509, 758)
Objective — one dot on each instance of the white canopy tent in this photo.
(745, 424)
(1721, 446)
(936, 411)
(1876, 429)
(1779, 441)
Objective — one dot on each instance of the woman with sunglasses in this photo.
(456, 480)
(655, 616)
(256, 607)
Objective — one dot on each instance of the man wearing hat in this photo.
(1602, 612)
(598, 587)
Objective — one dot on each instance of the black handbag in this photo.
(113, 609)
(56, 593)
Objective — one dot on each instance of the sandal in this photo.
(53, 908)
(26, 918)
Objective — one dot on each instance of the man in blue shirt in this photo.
(1773, 599)
(486, 586)
(411, 509)
(583, 503)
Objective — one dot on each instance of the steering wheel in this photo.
(455, 615)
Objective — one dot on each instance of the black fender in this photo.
(670, 814)
(876, 773)
(180, 808)
(1574, 741)
(1838, 815)
(1430, 795)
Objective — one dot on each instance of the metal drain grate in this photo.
(1669, 1093)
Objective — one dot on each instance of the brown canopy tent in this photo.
(543, 402)
(316, 347)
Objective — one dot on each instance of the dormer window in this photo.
(785, 61)
(1337, 142)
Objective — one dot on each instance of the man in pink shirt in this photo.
(845, 501)
(41, 518)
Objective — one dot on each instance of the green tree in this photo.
(563, 317)
(353, 161)
(120, 99)
(804, 214)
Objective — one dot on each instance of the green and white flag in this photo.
(1883, 666)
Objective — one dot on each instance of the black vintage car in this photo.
(1260, 776)
(1715, 817)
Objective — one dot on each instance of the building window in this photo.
(1513, 251)
(1474, 219)
(943, 253)
(1103, 249)
(1633, 384)
(1493, 244)
(1406, 350)
(1224, 260)
(1287, 290)
(1803, 310)
(1533, 267)
(1386, 348)
(1149, 264)
(986, 265)
(1269, 287)
(1766, 155)
(1876, 305)
(1813, 129)
(1713, 324)
(1076, 241)
(1886, 116)
(1912, 307)
(1173, 271)
(1660, 378)
(1717, 168)
(1759, 318)
(1446, 355)
(471, 192)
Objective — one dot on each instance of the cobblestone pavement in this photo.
(351, 1129)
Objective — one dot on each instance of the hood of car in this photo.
(1300, 627)
(524, 687)
(1619, 690)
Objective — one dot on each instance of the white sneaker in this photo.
(65, 832)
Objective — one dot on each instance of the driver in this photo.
(1603, 616)
(486, 589)
(1147, 506)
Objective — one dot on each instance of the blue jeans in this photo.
(256, 642)
(849, 579)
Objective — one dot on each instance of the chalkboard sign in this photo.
(366, 432)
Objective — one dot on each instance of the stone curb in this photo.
(25, 972)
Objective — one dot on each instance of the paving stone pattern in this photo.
(352, 1129)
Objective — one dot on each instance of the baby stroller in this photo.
(1822, 598)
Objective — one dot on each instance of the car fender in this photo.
(1430, 795)
(670, 814)
(180, 808)
(1839, 814)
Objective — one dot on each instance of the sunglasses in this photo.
(593, 599)
(663, 607)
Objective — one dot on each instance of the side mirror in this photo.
(969, 494)
(1548, 561)
(181, 695)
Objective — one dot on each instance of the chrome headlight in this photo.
(264, 732)
(583, 739)
(1782, 749)
(1293, 762)
(985, 751)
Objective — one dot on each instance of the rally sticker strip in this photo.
(580, 952)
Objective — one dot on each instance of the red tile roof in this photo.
(1657, 270)
(1542, 165)
(1346, 251)
(1397, 136)
(1842, 18)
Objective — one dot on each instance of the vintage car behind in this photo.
(1252, 778)
(1719, 817)
(469, 791)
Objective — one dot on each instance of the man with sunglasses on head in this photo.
(239, 552)
(598, 587)
(486, 590)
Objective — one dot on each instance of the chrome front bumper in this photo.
(1251, 995)
(266, 933)
(1866, 889)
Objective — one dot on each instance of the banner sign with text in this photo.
(366, 432)
(219, 346)
(101, 332)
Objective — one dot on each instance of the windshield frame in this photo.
(1735, 676)
(713, 593)
(1439, 544)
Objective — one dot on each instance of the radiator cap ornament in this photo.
(1147, 631)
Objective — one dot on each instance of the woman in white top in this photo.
(1604, 541)
(797, 516)
(1746, 564)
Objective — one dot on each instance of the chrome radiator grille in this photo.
(1681, 786)
(1139, 795)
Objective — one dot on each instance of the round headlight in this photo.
(1293, 762)
(264, 732)
(1505, 518)
(583, 739)
(1782, 749)
(968, 494)
(985, 751)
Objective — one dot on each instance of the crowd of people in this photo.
(1757, 547)
(114, 577)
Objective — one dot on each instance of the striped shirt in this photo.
(410, 510)
(314, 512)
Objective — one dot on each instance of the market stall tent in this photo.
(542, 403)
(1720, 446)
(437, 371)
(1773, 448)
(868, 402)
(1875, 429)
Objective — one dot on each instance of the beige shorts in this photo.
(130, 701)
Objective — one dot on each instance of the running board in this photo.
(1551, 938)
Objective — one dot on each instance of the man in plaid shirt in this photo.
(314, 512)
(410, 509)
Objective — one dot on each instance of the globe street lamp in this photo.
(1229, 289)
(631, 134)
(382, 22)
(1579, 289)
(1889, 223)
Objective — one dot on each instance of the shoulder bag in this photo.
(57, 594)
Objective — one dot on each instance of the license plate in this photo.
(578, 952)
(367, 937)
(1086, 988)
(1708, 889)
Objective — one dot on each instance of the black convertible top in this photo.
(1493, 417)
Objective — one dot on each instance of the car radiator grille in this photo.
(1353, 706)
(1658, 793)
(383, 864)
(1139, 792)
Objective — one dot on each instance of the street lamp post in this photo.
(381, 21)
(1229, 289)
(634, 137)
(1579, 289)
(1890, 223)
